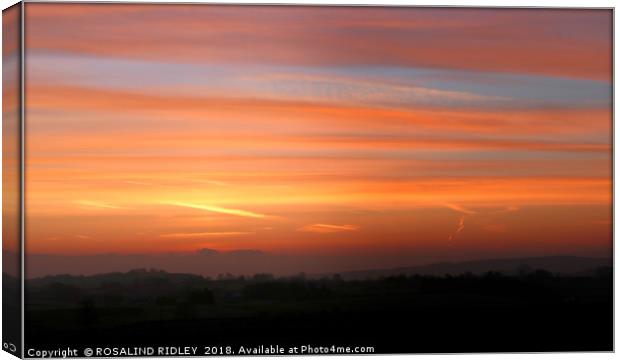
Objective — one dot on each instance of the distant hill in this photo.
(560, 265)
(568, 265)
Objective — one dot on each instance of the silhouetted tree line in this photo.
(158, 288)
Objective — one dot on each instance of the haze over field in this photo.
(371, 137)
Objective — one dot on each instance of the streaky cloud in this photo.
(219, 209)
(98, 204)
(328, 228)
(461, 209)
(205, 234)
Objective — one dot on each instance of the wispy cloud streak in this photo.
(328, 228)
(219, 209)
(458, 230)
(204, 234)
(98, 204)
(461, 209)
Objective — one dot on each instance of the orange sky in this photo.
(307, 130)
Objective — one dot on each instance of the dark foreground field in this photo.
(531, 311)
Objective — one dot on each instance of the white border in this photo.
(475, 3)
(607, 4)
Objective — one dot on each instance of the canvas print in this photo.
(213, 179)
